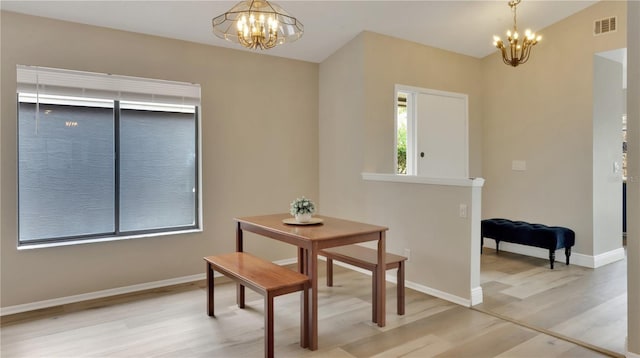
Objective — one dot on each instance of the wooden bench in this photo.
(267, 279)
(366, 258)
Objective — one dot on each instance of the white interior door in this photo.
(441, 135)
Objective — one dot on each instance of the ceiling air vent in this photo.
(605, 25)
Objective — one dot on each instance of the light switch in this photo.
(520, 165)
(463, 210)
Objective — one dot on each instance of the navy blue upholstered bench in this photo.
(538, 235)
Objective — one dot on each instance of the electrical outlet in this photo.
(463, 210)
(407, 254)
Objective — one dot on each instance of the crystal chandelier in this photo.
(257, 24)
(518, 52)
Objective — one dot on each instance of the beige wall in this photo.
(541, 112)
(341, 126)
(357, 135)
(444, 248)
(257, 112)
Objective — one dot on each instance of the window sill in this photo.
(414, 179)
(104, 239)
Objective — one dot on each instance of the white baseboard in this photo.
(113, 292)
(476, 293)
(608, 257)
(575, 259)
(476, 296)
(97, 294)
(439, 294)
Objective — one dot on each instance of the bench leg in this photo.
(209, 290)
(552, 257)
(240, 295)
(497, 246)
(268, 326)
(567, 253)
(374, 298)
(329, 272)
(400, 288)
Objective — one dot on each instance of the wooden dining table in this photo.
(310, 239)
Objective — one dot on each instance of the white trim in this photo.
(476, 296)
(439, 294)
(580, 260)
(575, 259)
(115, 291)
(98, 294)
(608, 257)
(27, 246)
(414, 179)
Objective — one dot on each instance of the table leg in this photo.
(209, 290)
(381, 287)
(239, 248)
(312, 269)
(304, 301)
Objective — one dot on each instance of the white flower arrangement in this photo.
(302, 206)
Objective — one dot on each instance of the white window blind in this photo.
(61, 82)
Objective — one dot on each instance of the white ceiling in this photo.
(465, 27)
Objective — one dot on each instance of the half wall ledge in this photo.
(414, 179)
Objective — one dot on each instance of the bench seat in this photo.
(265, 278)
(366, 258)
(551, 238)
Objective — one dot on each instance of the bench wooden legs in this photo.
(400, 288)
(277, 282)
(374, 302)
(330, 272)
(268, 326)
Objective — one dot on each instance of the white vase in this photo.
(303, 218)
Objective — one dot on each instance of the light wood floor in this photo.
(172, 323)
(585, 304)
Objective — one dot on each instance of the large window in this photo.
(108, 166)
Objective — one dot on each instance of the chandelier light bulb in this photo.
(496, 39)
